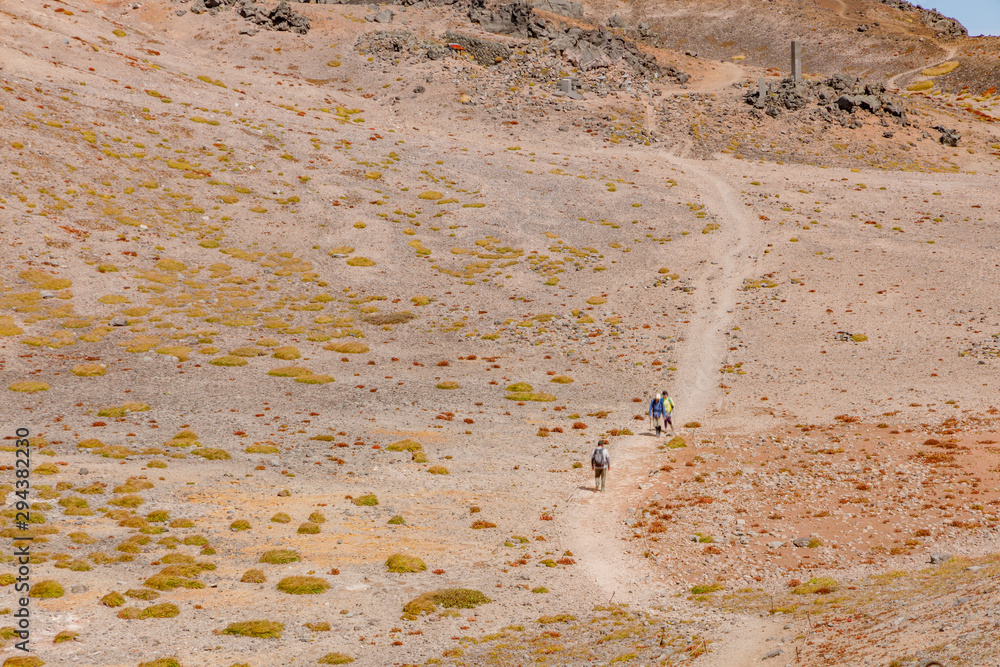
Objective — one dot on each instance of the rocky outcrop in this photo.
(948, 137)
(943, 25)
(515, 18)
(838, 95)
(484, 52)
(282, 17)
(573, 10)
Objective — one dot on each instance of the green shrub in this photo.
(113, 599)
(402, 563)
(318, 627)
(556, 618)
(164, 610)
(701, 589)
(367, 500)
(48, 588)
(300, 585)
(818, 586)
(317, 517)
(450, 598)
(253, 577)
(335, 659)
(262, 629)
(142, 594)
(405, 446)
(127, 501)
(308, 528)
(540, 397)
(397, 520)
(161, 662)
(437, 470)
(279, 556)
(281, 517)
(212, 454)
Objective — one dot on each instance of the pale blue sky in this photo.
(980, 17)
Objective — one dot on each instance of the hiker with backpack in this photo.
(668, 408)
(656, 412)
(600, 461)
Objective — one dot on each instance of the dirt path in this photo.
(949, 54)
(593, 532)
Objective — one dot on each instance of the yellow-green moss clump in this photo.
(253, 576)
(164, 610)
(281, 517)
(42, 280)
(346, 347)
(23, 661)
(89, 370)
(228, 360)
(335, 659)
(437, 470)
(289, 371)
(161, 662)
(239, 524)
(447, 384)
(287, 353)
(300, 585)
(402, 563)
(113, 599)
(360, 261)
(46, 589)
(562, 379)
(314, 379)
(29, 386)
(212, 454)
(367, 500)
(405, 446)
(539, 396)
(818, 586)
(262, 629)
(261, 448)
(8, 327)
(308, 528)
(450, 598)
(279, 556)
(317, 517)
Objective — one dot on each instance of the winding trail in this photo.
(616, 566)
(949, 54)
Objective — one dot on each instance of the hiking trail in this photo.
(617, 568)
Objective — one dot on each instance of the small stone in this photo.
(938, 558)
(180, 12)
(774, 545)
(564, 128)
(118, 321)
(83, 471)
(419, 89)
(284, 493)
(78, 588)
(47, 294)
(772, 654)
(801, 541)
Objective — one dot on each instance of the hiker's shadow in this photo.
(583, 487)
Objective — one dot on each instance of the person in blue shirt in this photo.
(656, 411)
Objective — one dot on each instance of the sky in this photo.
(980, 17)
